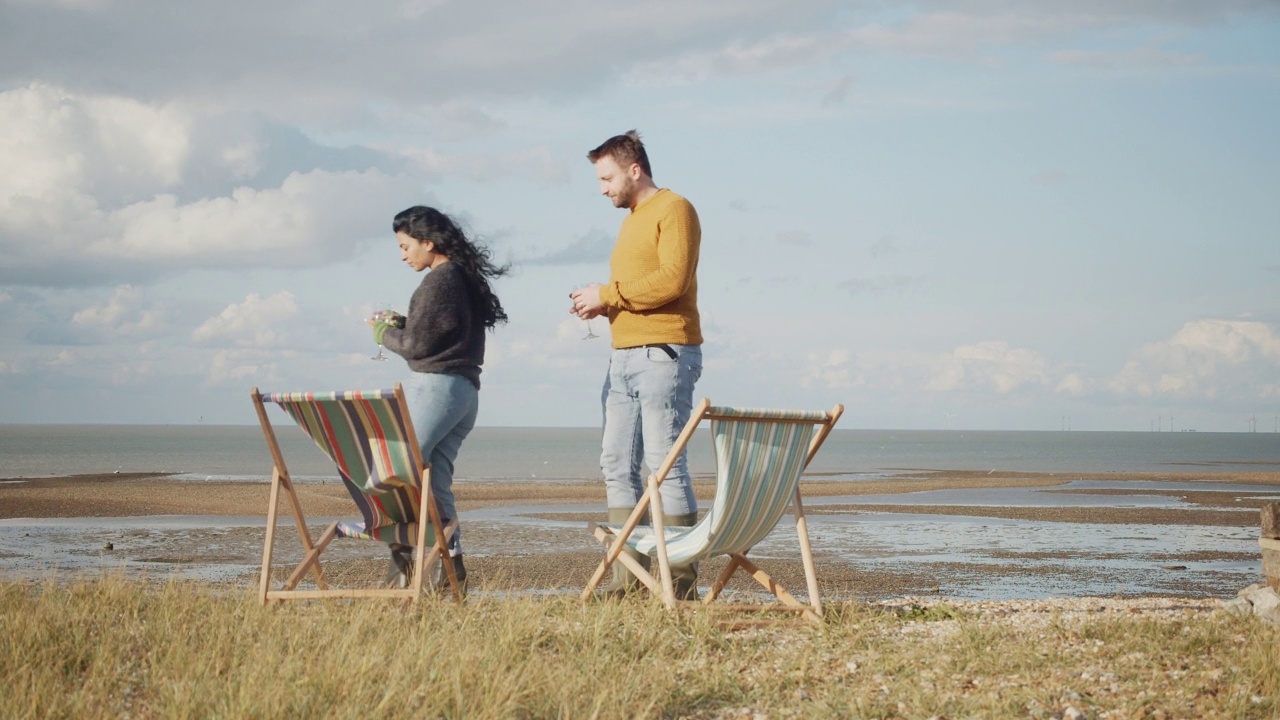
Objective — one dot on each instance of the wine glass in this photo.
(590, 333)
(378, 316)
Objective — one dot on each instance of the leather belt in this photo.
(671, 353)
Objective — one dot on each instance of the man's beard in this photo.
(625, 196)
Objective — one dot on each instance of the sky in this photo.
(970, 215)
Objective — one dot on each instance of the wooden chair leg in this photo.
(614, 546)
(659, 524)
(721, 581)
(311, 561)
(304, 534)
(610, 541)
(806, 554)
(604, 536)
(774, 587)
(264, 582)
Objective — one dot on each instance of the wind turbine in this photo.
(950, 417)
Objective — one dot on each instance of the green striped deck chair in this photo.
(369, 437)
(760, 455)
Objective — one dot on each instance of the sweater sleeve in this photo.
(438, 313)
(679, 234)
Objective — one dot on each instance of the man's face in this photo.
(615, 182)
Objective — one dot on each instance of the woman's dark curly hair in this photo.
(428, 224)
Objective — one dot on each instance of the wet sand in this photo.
(560, 558)
(134, 494)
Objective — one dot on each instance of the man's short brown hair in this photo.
(625, 150)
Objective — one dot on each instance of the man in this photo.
(651, 301)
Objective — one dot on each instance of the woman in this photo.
(442, 339)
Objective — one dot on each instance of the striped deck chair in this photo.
(370, 438)
(760, 455)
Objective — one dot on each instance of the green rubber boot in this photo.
(684, 578)
(623, 582)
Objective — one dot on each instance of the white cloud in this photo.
(242, 159)
(243, 364)
(1205, 359)
(988, 365)
(1075, 385)
(559, 355)
(132, 189)
(834, 369)
(311, 219)
(297, 217)
(123, 314)
(258, 322)
(59, 147)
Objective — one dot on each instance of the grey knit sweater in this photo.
(443, 330)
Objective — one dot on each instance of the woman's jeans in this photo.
(444, 409)
(647, 399)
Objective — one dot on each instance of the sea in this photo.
(494, 454)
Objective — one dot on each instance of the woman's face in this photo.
(416, 254)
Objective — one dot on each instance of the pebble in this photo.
(1261, 600)
(1034, 614)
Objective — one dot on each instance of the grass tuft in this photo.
(112, 647)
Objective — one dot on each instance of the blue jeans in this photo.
(647, 400)
(444, 409)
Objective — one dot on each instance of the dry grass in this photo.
(112, 647)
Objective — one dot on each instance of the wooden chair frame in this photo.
(282, 484)
(651, 502)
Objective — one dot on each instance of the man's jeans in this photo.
(444, 409)
(647, 399)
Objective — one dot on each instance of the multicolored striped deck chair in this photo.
(760, 455)
(369, 436)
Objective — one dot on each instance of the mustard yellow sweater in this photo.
(652, 293)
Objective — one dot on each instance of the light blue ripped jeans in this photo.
(444, 409)
(647, 399)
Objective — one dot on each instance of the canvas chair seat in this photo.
(369, 436)
(760, 456)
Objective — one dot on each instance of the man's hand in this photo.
(586, 302)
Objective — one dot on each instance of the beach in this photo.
(532, 537)
(946, 594)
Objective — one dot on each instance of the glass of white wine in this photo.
(590, 333)
(376, 317)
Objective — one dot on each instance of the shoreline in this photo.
(139, 494)
(519, 541)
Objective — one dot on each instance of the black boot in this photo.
(401, 567)
(440, 579)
